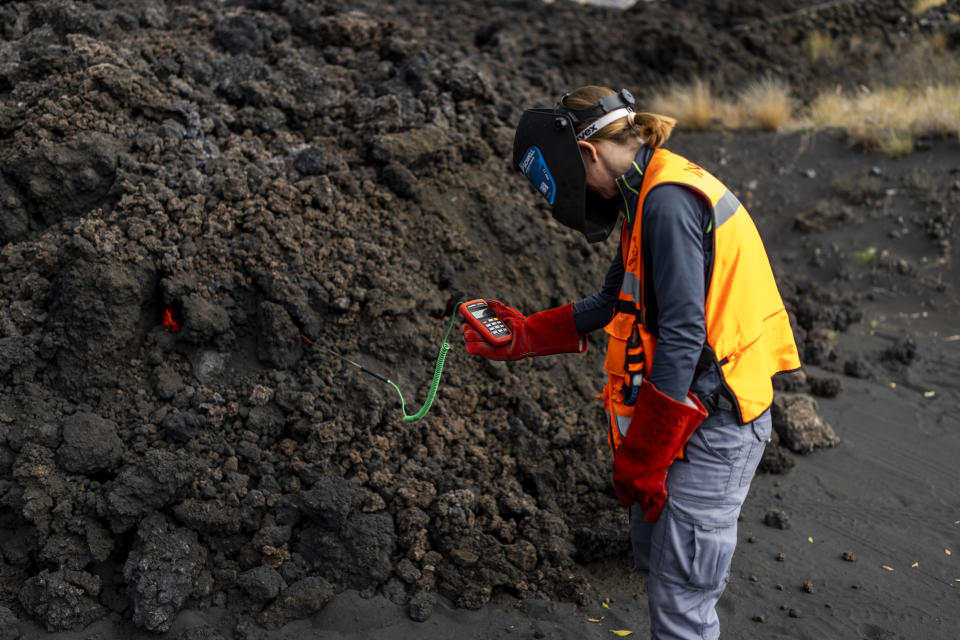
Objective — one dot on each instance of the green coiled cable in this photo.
(437, 372)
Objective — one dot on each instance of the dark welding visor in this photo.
(545, 150)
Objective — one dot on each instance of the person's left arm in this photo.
(673, 237)
(665, 414)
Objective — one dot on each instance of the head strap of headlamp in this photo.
(609, 103)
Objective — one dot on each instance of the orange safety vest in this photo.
(747, 324)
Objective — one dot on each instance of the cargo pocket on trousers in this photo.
(695, 554)
(719, 447)
(722, 441)
(757, 445)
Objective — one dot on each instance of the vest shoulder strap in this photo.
(666, 166)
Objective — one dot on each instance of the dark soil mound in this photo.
(197, 198)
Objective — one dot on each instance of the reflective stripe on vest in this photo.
(630, 287)
(747, 324)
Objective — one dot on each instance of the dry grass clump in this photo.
(856, 187)
(889, 119)
(926, 187)
(766, 104)
(693, 105)
(921, 6)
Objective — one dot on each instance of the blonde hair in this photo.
(652, 128)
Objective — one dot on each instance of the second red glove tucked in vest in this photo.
(657, 434)
(541, 334)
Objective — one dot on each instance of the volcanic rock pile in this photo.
(198, 200)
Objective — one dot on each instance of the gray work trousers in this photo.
(685, 555)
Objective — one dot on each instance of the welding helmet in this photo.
(545, 150)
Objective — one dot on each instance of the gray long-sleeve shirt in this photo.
(677, 251)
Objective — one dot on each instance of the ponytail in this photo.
(653, 128)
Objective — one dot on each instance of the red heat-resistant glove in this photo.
(658, 431)
(543, 333)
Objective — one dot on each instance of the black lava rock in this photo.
(90, 443)
(829, 387)
(312, 161)
(262, 583)
(56, 600)
(776, 459)
(421, 605)
(402, 181)
(203, 319)
(239, 34)
(903, 351)
(162, 571)
(358, 556)
(859, 367)
(299, 600)
(777, 518)
(160, 478)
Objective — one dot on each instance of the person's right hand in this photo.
(515, 321)
(543, 333)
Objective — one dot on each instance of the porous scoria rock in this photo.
(62, 600)
(799, 425)
(162, 571)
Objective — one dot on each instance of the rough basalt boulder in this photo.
(356, 555)
(203, 319)
(797, 421)
(95, 311)
(157, 481)
(59, 179)
(776, 457)
(262, 583)
(62, 600)
(90, 443)
(162, 571)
